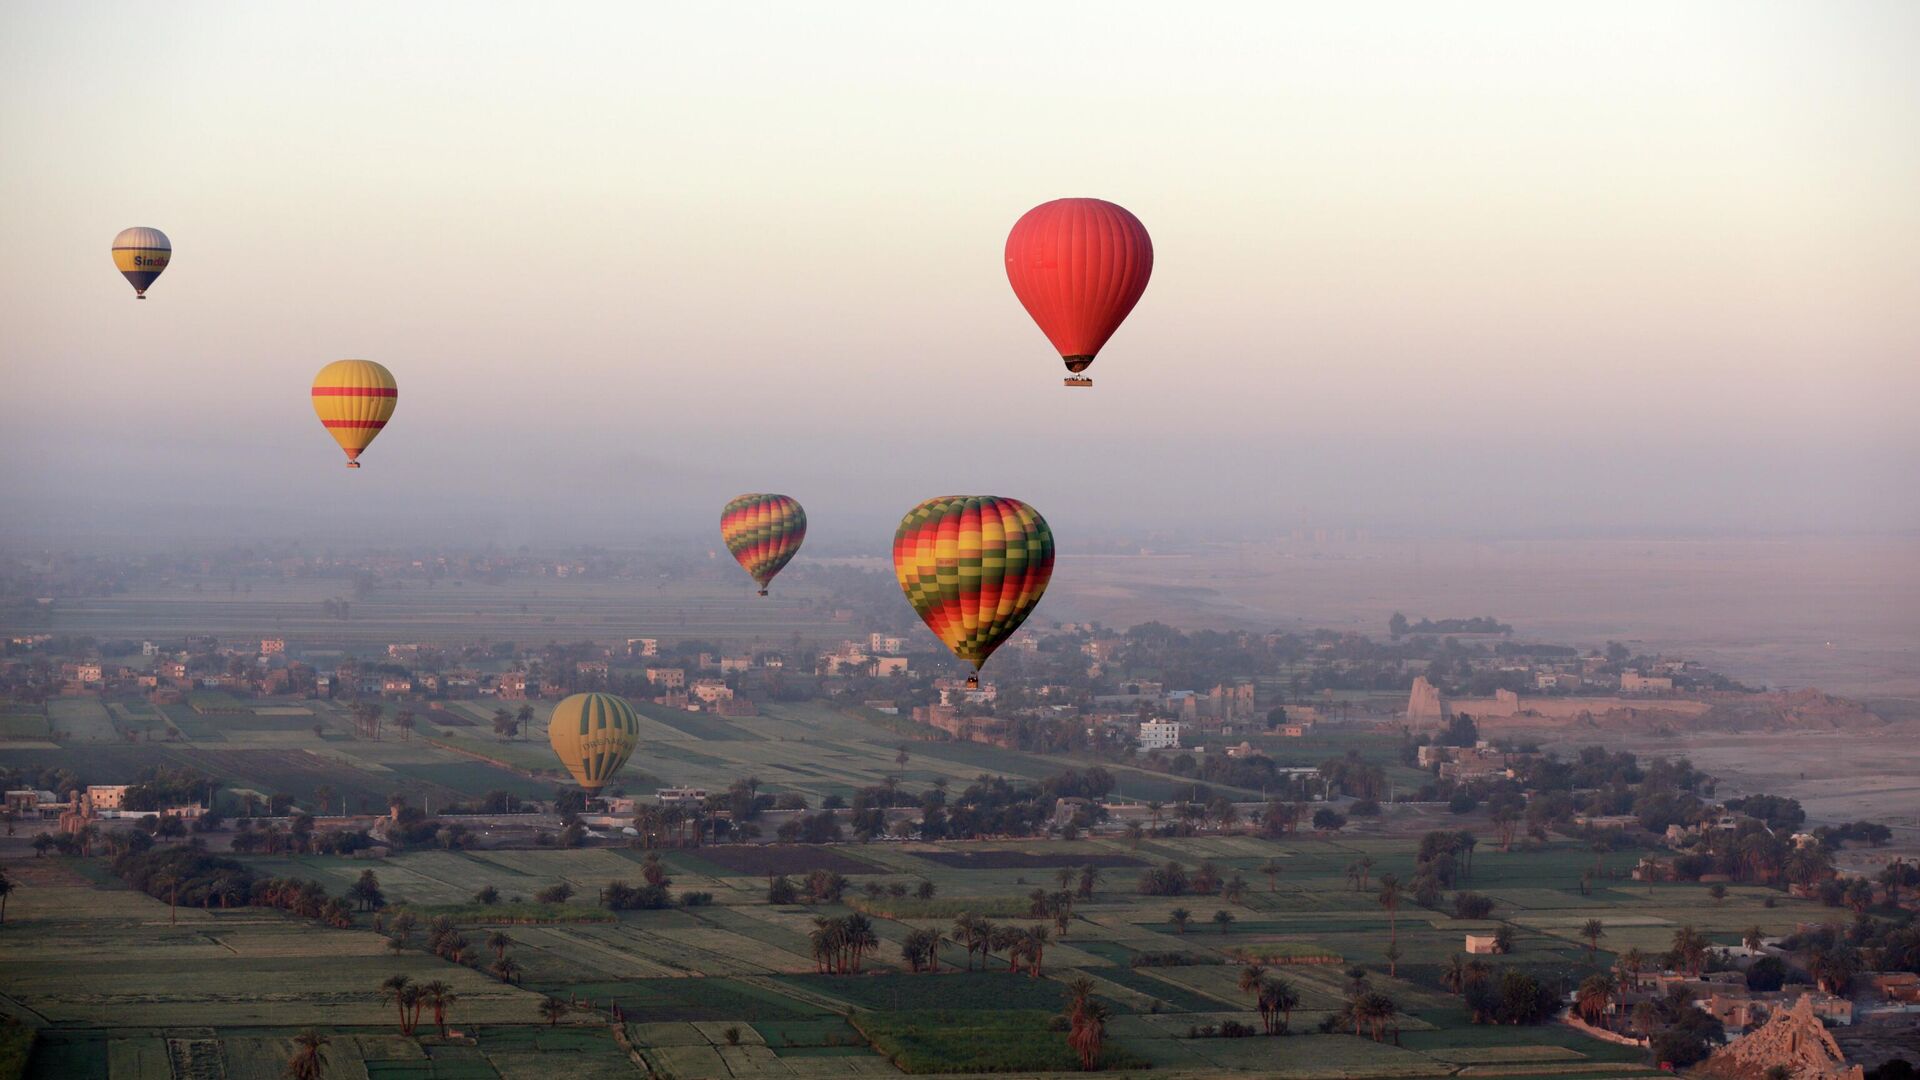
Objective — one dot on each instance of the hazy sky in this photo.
(1487, 267)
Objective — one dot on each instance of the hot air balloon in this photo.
(592, 735)
(354, 399)
(1079, 266)
(764, 532)
(141, 254)
(973, 567)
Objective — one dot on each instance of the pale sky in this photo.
(1498, 267)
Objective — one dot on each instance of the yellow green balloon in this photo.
(593, 735)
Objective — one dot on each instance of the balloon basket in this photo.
(973, 682)
(1076, 380)
(353, 464)
(763, 592)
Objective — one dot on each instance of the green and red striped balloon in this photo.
(973, 567)
(763, 532)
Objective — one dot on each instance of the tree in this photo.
(1223, 919)
(1593, 930)
(309, 1058)
(1689, 952)
(1376, 1010)
(1753, 937)
(1390, 899)
(921, 950)
(1272, 869)
(1089, 880)
(1086, 1022)
(1278, 997)
(1180, 917)
(498, 942)
(6, 890)
(1595, 994)
(366, 893)
(552, 1009)
(488, 896)
(1034, 948)
(438, 996)
(506, 969)
(1454, 975)
(395, 989)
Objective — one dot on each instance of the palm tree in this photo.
(1753, 937)
(506, 969)
(552, 1009)
(1035, 949)
(1251, 978)
(1478, 972)
(964, 929)
(309, 1058)
(322, 795)
(395, 989)
(171, 883)
(1223, 919)
(1086, 1022)
(1632, 961)
(1595, 994)
(1593, 931)
(1376, 1009)
(1134, 833)
(1089, 880)
(1155, 807)
(437, 995)
(1180, 917)
(1392, 954)
(1235, 890)
(498, 942)
(1689, 950)
(1278, 996)
(1390, 899)
(1272, 870)
(1007, 939)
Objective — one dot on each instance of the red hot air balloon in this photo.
(1079, 266)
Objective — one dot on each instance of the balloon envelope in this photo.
(593, 735)
(764, 532)
(973, 567)
(1079, 266)
(141, 254)
(354, 399)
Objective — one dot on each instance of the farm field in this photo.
(556, 610)
(234, 985)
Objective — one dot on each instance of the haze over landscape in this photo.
(1470, 625)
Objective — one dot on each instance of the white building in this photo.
(1160, 734)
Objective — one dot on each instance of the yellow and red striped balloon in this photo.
(763, 532)
(973, 567)
(354, 399)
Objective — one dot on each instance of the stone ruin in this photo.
(1793, 1039)
(1424, 705)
